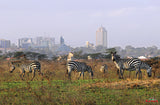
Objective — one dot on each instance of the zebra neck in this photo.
(116, 63)
(144, 66)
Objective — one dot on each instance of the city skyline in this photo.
(131, 22)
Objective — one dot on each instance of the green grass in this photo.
(71, 93)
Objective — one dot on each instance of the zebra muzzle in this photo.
(149, 75)
(10, 71)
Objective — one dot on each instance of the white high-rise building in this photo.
(101, 37)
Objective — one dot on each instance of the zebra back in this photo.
(35, 65)
(79, 66)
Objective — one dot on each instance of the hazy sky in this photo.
(128, 22)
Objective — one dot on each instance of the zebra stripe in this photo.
(27, 68)
(130, 65)
(79, 67)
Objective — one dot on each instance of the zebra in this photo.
(104, 68)
(26, 68)
(130, 65)
(79, 67)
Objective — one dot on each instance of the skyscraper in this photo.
(101, 37)
(61, 40)
(5, 43)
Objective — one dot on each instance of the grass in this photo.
(76, 92)
(56, 89)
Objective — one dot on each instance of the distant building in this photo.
(61, 40)
(5, 43)
(101, 37)
(44, 42)
(25, 42)
(62, 47)
(89, 45)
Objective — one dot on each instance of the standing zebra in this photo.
(79, 67)
(104, 68)
(130, 65)
(27, 68)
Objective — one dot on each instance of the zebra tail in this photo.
(92, 74)
(67, 71)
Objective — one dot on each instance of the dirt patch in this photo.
(129, 84)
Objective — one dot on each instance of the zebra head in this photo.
(12, 68)
(90, 70)
(149, 72)
(114, 56)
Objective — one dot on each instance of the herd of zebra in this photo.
(133, 64)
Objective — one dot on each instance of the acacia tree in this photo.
(18, 54)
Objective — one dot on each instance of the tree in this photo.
(42, 56)
(78, 54)
(18, 54)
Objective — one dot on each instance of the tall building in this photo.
(101, 37)
(5, 43)
(61, 40)
(44, 42)
(25, 42)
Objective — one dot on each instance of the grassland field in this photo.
(54, 87)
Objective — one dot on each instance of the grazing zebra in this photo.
(104, 68)
(79, 67)
(130, 65)
(27, 68)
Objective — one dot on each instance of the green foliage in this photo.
(18, 54)
(110, 50)
(42, 56)
(78, 54)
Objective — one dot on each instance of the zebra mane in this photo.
(118, 56)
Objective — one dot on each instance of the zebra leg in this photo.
(22, 73)
(79, 75)
(91, 75)
(69, 76)
(83, 75)
(136, 73)
(33, 74)
(140, 75)
(117, 71)
(122, 73)
(69, 70)
(139, 72)
(40, 73)
(21, 76)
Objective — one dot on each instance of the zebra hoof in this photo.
(120, 77)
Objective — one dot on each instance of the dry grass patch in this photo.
(128, 84)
